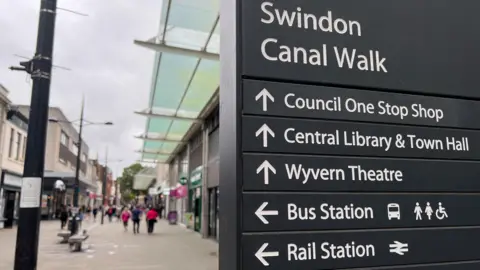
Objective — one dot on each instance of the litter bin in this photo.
(79, 223)
(172, 217)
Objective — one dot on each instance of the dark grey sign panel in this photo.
(339, 250)
(444, 266)
(327, 211)
(277, 135)
(380, 44)
(321, 102)
(276, 172)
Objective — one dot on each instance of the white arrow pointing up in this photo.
(264, 95)
(266, 167)
(265, 130)
(261, 254)
(261, 212)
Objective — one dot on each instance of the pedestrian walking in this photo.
(136, 215)
(63, 216)
(125, 217)
(152, 216)
(88, 213)
(95, 212)
(110, 214)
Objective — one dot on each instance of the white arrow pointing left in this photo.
(261, 254)
(265, 131)
(261, 213)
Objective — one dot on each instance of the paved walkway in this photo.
(109, 247)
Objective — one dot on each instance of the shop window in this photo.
(18, 142)
(24, 147)
(64, 138)
(10, 146)
(74, 148)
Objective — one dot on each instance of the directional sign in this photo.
(327, 211)
(322, 102)
(347, 43)
(339, 250)
(274, 172)
(444, 266)
(350, 135)
(266, 168)
(265, 96)
(343, 138)
(261, 213)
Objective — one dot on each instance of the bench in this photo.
(77, 240)
(65, 235)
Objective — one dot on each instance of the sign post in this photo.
(349, 135)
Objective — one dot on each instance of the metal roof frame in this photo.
(172, 116)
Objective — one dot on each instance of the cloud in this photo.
(112, 73)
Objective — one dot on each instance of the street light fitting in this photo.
(54, 120)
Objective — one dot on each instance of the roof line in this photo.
(167, 16)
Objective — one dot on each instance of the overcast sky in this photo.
(112, 72)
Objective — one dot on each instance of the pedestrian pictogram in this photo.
(429, 211)
(398, 248)
(440, 213)
(418, 211)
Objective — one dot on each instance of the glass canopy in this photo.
(184, 79)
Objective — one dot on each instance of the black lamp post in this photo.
(76, 191)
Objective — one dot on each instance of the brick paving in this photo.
(109, 247)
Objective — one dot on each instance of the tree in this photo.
(126, 181)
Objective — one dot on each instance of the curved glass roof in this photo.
(185, 77)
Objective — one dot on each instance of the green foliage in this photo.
(126, 181)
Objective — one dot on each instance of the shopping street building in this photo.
(182, 118)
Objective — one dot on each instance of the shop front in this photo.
(213, 180)
(10, 188)
(195, 197)
(53, 198)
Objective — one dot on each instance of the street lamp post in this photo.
(104, 182)
(104, 185)
(76, 191)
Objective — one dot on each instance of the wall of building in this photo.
(201, 153)
(14, 147)
(62, 157)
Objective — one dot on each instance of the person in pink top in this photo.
(152, 216)
(125, 217)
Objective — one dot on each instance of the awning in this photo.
(185, 77)
(145, 178)
(69, 176)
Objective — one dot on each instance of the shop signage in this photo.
(12, 180)
(349, 135)
(183, 180)
(196, 177)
